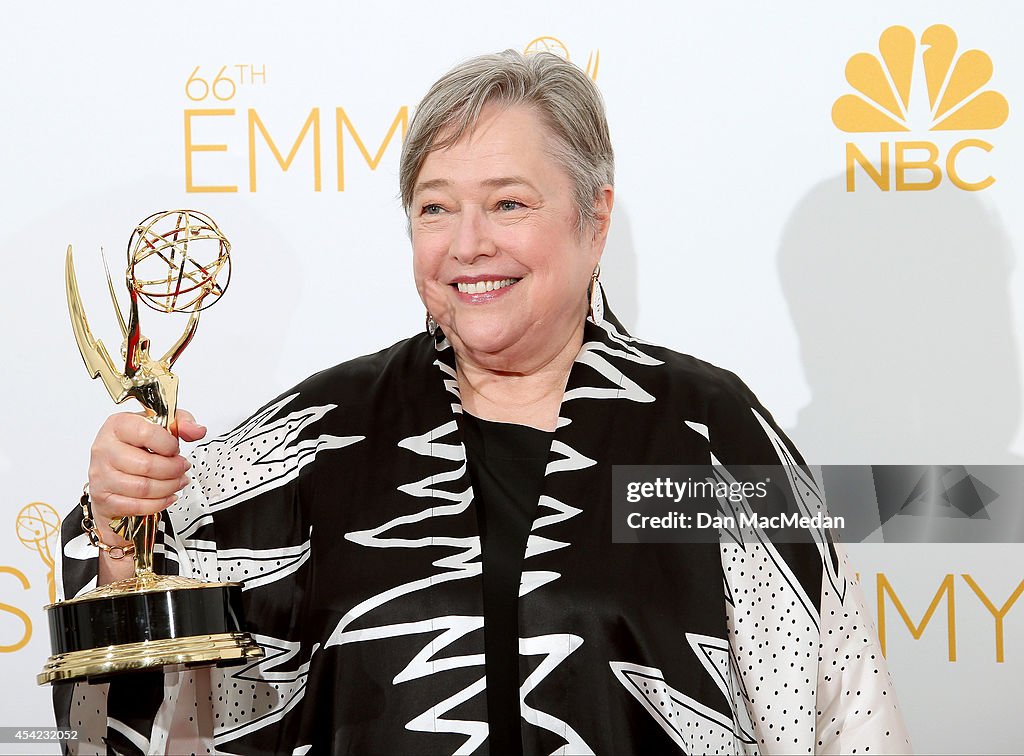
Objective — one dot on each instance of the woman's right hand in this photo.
(136, 468)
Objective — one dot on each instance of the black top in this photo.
(506, 465)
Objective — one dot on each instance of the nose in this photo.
(472, 238)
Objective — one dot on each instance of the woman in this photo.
(357, 505)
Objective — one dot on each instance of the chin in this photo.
(485, 338)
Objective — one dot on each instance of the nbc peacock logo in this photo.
(916, 85)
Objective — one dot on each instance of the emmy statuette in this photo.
(178, 261)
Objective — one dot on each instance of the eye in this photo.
(509, 204)
(432, 209)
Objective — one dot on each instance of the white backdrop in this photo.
(879, 326)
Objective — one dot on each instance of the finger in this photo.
(139, 462)
(188, 428)
(116, 505)
(135, 487)
(139, 432)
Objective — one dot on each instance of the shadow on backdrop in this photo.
(901, 303)
(618, 269)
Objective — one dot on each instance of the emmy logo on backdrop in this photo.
(37, 523)
(178, 262)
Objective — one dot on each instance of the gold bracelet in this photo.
(89, 526)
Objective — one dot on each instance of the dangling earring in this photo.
(596, 313)
(431, 324)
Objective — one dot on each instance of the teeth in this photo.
(480, 287)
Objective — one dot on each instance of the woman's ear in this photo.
(603, 212)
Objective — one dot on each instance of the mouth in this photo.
(484, 286)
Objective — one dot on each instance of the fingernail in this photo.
(188, 465)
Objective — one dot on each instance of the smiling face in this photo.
(498, 256)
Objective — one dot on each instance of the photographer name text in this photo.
(703, 520)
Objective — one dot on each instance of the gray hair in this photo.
(566, 100)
